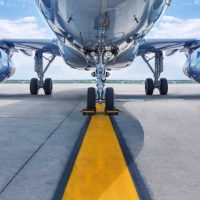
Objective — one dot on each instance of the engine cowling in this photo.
(7, 68)
(192, 66)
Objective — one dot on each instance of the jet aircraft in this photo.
(101, 35)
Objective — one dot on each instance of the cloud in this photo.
(2, 3)
(197, 2)
(26, 27)
(173, 27)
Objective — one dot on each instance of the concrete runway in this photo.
(38, 134)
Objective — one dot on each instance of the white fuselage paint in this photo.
(117, 25)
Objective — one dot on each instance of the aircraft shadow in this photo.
(131, 137)
(122, 97)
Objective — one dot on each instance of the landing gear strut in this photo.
(101, 74)
(37, 83)
(157, 83)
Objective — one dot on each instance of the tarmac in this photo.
(39, 135)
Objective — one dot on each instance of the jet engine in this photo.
(7, 68)
(192, 66)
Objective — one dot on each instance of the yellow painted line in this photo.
(100, 171)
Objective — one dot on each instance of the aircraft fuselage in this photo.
(118, 26)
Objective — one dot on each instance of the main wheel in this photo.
(48, 86)
(163, 86)
(91, 99)
(149, 86)
(109, 99)
(34, 86)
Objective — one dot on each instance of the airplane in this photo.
(101, 35)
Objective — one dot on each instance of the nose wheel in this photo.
(109, 99)
(109, 102)
(91, 99)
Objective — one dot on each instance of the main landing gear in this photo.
(158, 83)
(47, 86)
(37, 83)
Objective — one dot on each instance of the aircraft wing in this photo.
(171, 46)
(28, 45)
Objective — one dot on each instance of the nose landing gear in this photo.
(100, 96)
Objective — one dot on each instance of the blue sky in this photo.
(21, 19)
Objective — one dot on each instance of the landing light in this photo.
(93, 54)
(108, 54)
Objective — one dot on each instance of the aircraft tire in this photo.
(48, 86)
(163, 86)
(149, 86)
(34, 86)
(109, 99)
(91, 99)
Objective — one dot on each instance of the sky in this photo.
(21, 19)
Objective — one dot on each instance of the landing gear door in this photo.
(90, 40)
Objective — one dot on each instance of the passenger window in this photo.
(47, 3)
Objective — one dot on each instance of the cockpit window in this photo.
(47, 3)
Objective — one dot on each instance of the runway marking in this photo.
(100, 170)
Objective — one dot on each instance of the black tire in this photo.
(48, 86)
(34, 86)
(149, 86)
(109, 99)
(163, 86)
(91, 99)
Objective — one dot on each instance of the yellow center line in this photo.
(100, 171)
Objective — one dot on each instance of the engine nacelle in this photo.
(7, 68)
(192, 66)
